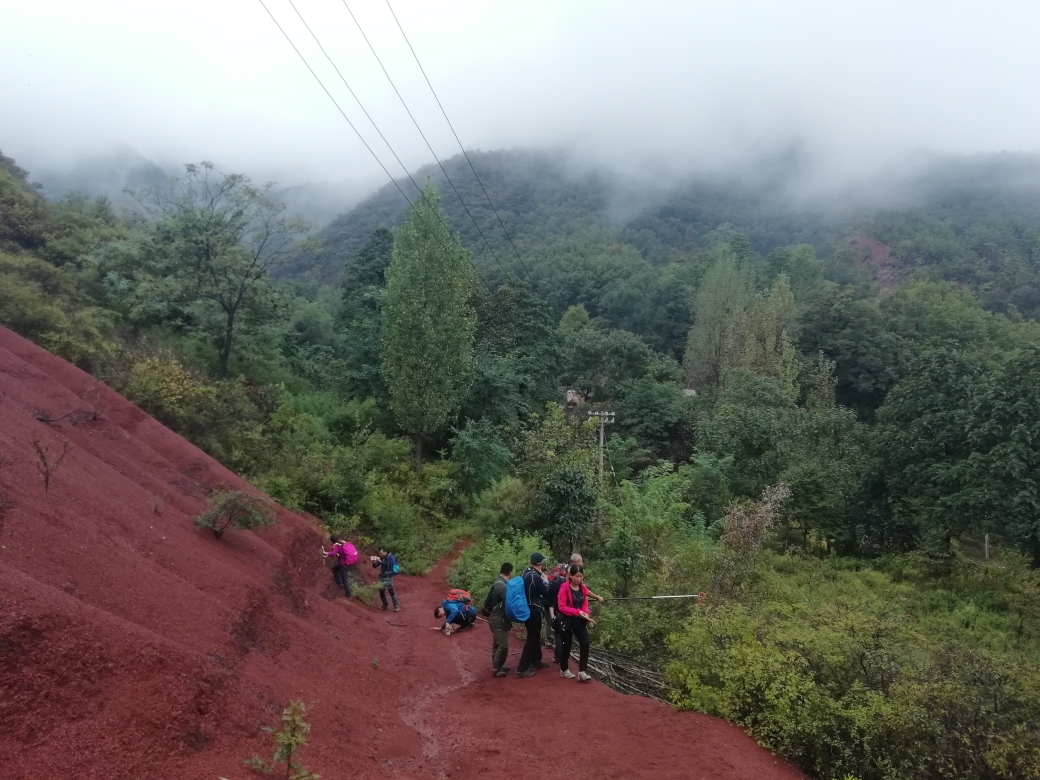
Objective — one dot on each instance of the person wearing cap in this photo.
(536, 586)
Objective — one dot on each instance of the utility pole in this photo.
(605, 418)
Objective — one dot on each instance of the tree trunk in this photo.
(418, 447)
(224, 352)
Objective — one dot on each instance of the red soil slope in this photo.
(871, 252)
(133, 645)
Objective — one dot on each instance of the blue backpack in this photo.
(516, 606)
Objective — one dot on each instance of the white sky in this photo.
(647, 83)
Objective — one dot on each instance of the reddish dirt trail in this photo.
(133, 645)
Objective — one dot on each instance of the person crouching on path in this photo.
(456, 616)
(536, 587)
(341, 554)
(388, 569)
(495, 609)
(575, 621)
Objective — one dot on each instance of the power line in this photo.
(428, 146)
(464, 153)
(361, 137)
(383, 137)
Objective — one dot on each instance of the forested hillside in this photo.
(826, 419)
(632, 252)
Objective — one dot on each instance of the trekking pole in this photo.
(698, 596)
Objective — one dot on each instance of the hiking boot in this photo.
(542, 665)
(567, 674)
(525, 673)
(383, 607)
(501, 673)
(584, 676)
(397, 608)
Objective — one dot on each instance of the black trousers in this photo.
(575, 628)
(341, 576)
(532, 652)
(557, 629)
(387, 586)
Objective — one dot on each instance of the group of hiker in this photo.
(558, 599)
(344, 555)
(555, 601)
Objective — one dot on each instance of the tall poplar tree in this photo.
(768, 332)
(428, 321)
(714, 343)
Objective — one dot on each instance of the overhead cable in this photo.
(428, 146)
(361, 137)
(464, 153)
(383, 137)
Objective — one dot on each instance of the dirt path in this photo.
(472, 725)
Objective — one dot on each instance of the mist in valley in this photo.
(807, 103)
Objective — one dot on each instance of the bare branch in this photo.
(46, 464)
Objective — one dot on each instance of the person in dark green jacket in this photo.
(495, 610)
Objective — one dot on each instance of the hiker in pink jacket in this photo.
(573, 604)
(343, 555)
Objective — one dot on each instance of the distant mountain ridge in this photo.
(111, 175)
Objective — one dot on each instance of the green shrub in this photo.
(234, 509)
(289, 739)
(831, 667)
(478, 565)
(504, 509)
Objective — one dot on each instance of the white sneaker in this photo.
(568, 675)
(583, 676)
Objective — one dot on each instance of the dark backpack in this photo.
(552, 600)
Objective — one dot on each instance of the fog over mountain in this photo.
(656, 89)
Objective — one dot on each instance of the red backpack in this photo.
(459, 595)
(559, 571)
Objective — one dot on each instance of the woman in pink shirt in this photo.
(573, 604)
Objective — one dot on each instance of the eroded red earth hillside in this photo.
(133, 645)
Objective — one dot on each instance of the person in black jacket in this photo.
(387, 565)
(536, 587)
(495, 610)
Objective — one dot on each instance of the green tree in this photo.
(516, 361)
(480, 454)
(289, 739)
(713, 345)
(767, 335)
(215, 238)
(800, 265)
(852, 333)
(574, 319)
(428, 322)
(1007, 437)
(566, 508)
(955, 449)
(361, 316)
(597, 359)
(552, 441)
